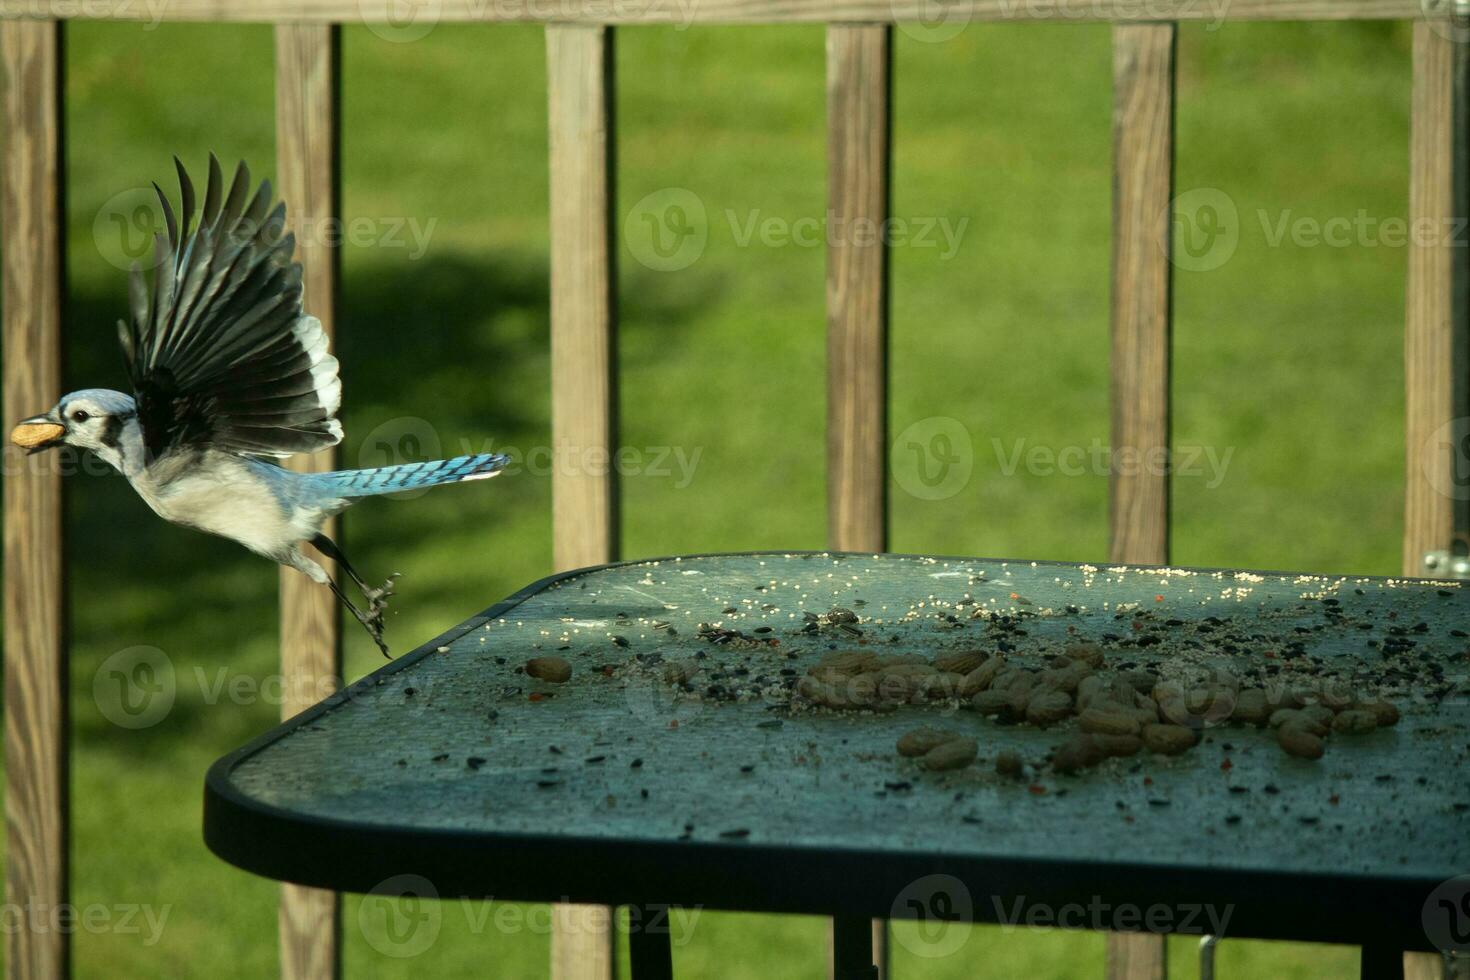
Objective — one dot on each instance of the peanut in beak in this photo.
(36, 435)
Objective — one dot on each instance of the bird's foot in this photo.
(373, 620)
(378, 597)
(377, 602)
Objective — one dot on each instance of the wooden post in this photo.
(36, 758)
(579, 64)
(307, 90)
(1435, 317)
(1436, 323)
(859, 59)
(1143, 172)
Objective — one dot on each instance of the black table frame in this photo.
(852, 886)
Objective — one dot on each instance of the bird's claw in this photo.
(373, 620)
(377, 602)
(379, 597)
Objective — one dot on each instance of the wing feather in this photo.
(211, 193)
(235, 201)
(220, 353)
(186, 195)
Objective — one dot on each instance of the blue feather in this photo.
(409, 476)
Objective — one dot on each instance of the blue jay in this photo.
(228, 374)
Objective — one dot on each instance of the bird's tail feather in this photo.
(413, 476)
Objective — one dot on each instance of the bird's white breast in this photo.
(222, 499)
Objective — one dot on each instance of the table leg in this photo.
(1207, 946)
(649, 954)
(1381, 961)
(852, 948)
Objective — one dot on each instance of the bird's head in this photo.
(89, 419)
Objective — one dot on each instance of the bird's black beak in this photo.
(38, 432)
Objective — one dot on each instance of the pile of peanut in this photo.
(1117, 712)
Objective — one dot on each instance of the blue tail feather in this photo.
(412, 476)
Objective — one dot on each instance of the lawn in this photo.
(1002, 136)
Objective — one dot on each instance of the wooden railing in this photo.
(583, 328)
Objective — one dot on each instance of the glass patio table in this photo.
(651, 734)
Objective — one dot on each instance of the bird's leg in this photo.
(372, 622)
(377, 598)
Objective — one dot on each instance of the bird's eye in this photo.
(79, 416)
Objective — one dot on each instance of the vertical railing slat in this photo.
(579, 63)
(1143, 171)
(1435, 271)
(307, 104)
(858, 61)
(36, 751)
(1435, 321)
(858, 174)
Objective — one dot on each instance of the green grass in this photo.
(1005, 127)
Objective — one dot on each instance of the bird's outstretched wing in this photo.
(220, 353)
